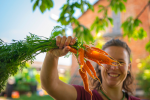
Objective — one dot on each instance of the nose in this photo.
(114, 66)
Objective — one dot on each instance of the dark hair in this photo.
(129, 79)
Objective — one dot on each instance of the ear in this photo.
(129, 67)
(99, 67)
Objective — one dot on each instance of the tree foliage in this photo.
(132, 29)
(43, 5)
(144, 75)
(131, 26)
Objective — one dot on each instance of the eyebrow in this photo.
(121, 59)
(116, 59)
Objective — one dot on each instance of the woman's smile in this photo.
(113, 75)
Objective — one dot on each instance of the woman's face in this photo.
(115, 75)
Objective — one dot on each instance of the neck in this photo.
(114, 93)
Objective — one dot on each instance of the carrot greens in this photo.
(13, 56)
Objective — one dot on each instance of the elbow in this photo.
(42, 87)
(46, 84)
(43, 83)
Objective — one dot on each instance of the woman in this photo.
(114, 78)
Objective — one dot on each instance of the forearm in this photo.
(49, 73)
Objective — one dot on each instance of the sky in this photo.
(17, 20)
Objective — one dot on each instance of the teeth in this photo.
(113, 75)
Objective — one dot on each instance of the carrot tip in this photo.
(114, 65)
(81, 67)
(82, 70)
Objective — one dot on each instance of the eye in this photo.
(110, 57)
(121, 62)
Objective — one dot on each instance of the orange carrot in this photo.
(72, 50)
(99, 50)
(90, 58)
(92, 69)
(96, 49)
(103, 52)
(86, 68)
(98, 62)
(86, 46)
(81, 57)
(85, 81)
(98, 56)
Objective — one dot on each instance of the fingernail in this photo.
(66, 44)
(67, 48)
(57, 43)
(72, 43)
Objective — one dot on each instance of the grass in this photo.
(35, 97)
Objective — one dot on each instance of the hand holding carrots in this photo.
(62, 43)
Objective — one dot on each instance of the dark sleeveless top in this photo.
(83, 95)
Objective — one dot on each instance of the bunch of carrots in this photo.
(13, 56)
(90, 53)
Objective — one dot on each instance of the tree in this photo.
(131, 27)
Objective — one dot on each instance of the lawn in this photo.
(35, 97)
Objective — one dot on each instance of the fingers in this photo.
(58, 39)
(68, 40)
(61, 42)
(73, 41)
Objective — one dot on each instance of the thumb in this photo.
(66, 49)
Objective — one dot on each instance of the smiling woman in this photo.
(115, 78)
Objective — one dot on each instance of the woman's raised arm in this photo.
(49, 74)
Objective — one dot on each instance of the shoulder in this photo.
(130, 97)
(133, 98)
(83, 95)
(78, 87)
